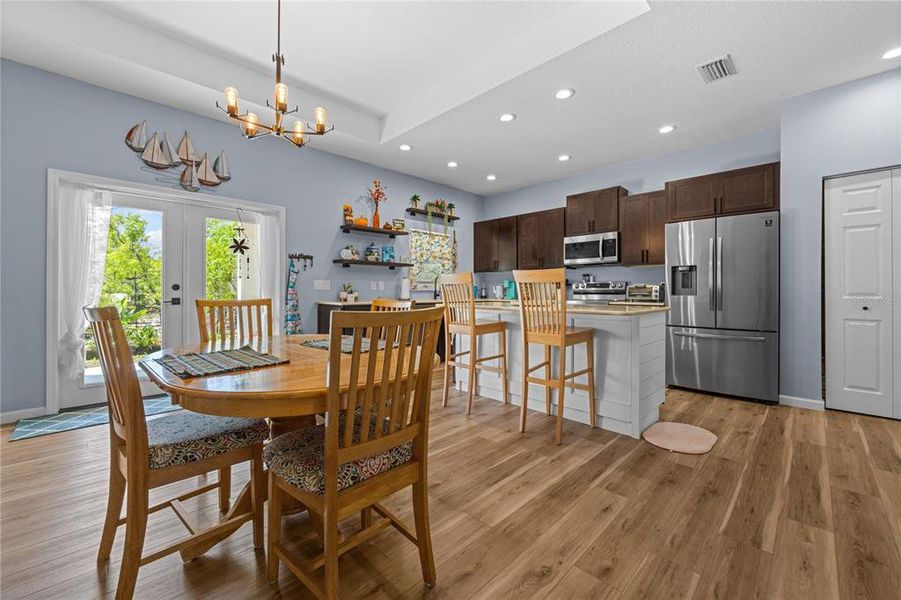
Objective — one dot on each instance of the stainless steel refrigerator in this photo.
(722, 276)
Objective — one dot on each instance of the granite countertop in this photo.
(582, 308)
(422, 302)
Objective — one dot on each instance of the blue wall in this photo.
(49, 121)
(644, 175)
(850, 127)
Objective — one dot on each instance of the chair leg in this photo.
(113, 511)
(525, 388)
(225, 488)
(547, 376)
(330, 543)
(504, 364)
(135, 528)
(473, 352)
(275, 529)
(591, 405)
(447, 360)
(366, 517)
(257, 494)
(561, 390)
(423, 532)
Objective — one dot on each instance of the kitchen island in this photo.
(629, 363)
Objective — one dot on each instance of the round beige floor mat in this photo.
(680, 437)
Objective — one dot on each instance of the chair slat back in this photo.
(390, 384)
(542, 301)
(234, 320)
(391, 305)
(123, 392)
(459, 305)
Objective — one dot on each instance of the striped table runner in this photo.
(198, 364)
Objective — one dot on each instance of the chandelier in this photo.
(250, 123)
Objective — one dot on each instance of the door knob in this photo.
(866, 308)
(173, 301)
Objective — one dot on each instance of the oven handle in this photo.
(711, 336)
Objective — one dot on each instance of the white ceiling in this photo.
(436, 75)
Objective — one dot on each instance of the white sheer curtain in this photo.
(84, 216)
(272, 272)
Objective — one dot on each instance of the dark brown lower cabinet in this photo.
(642, 222)
(540, 239)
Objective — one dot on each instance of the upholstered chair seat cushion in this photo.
(298, 458)
(186, 437)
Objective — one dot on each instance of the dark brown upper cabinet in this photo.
(594, 212)
(642, 222)
(752, 189)
(494, 245)
(540, 239)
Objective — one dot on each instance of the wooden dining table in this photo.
(290, 394)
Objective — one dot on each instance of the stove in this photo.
(599, 291)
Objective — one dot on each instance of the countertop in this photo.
(582, 308)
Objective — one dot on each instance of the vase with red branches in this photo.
(376, 195)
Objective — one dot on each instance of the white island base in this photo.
(629, 366)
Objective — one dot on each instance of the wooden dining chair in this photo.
(542, 310)
(149, 454)
(390, 304)
(374, 442)
(221, 320)
(460, 319)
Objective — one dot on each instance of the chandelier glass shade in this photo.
(250, 123)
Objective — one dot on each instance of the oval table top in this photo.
(297, 388)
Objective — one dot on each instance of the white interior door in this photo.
(859, 275)
(143, 278)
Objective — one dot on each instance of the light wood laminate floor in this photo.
(789, 504)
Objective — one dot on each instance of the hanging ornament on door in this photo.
(239, 242)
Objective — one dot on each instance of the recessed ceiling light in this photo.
(893, 53)
(491, 177)
(667, 129)
(405, 147)
(563, 157)
(564, 94)
(507, 117)
(452, 164)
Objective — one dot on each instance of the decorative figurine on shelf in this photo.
(348, 214)
(414, 201)
(451, 207)
(372, 253)
(347, 293)
(387, 253)
(350, 253)
(361, 221)
(398, 224)
(387, 227)
(376, 195)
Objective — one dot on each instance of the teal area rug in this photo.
(82, 417)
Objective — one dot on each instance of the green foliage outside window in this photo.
(221, 263)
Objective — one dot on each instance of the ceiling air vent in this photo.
(716, 69)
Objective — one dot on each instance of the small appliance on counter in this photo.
(644, 293)
(601, 292)
(509, 289)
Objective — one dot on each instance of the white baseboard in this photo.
(26, 413)
(797, 402)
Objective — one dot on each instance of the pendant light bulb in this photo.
(297, 134)
(231, 100)
(320, 115)
(251, 126)
(281, 97)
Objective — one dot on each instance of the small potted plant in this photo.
(451, 207)
(347, 293)
(414, 201)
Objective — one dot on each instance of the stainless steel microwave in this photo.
(592, 249)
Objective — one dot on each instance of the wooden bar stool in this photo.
(460, 318)
(542, 308)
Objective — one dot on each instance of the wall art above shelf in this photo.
(392, 233)
(435, 215)
(346, 263)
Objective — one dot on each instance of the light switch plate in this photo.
(372, 286)
(322, 285)
(381, 286)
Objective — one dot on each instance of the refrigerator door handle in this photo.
(711, 336)
(719, 273)
(710, 294)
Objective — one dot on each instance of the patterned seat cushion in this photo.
(186, 437)
(298, 457)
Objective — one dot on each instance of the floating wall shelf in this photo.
(370, 263)
(392, 233)
(439, 216)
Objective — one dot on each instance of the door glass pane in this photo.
(231, 275)
(133, 282)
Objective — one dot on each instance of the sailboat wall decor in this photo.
(160, 154)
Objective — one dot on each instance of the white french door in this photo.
(143, 278)
(863, 229)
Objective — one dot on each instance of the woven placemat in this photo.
(198, 364)
(347, 344)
